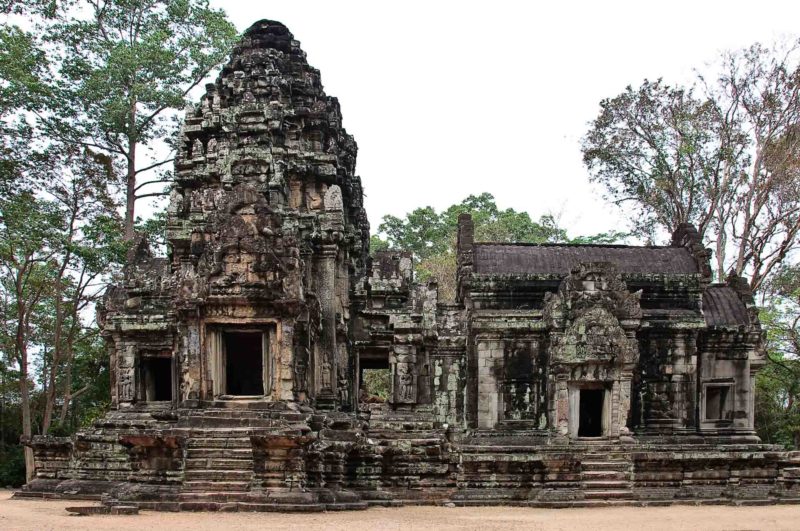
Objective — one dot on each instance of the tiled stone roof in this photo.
(509, 259)
(722, 307)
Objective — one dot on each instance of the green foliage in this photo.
(12, 466)
(778, 384)
(377, 382)
(655, 150)
(111, 76)
(778, 416)
(428, 233)
(142, 54)
(154, 229)
(431, 235)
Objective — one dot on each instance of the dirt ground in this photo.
(40, 515)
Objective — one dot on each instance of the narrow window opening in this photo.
(591, 413)
(717, 402)
(244, 358)
(156, 376)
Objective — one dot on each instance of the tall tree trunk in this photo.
(67, 384)
(130, 192)
(22, 356)
(58, 347)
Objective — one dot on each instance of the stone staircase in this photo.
(219, 461)
(414, 458)
(606, 474)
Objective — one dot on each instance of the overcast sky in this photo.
(447, 99)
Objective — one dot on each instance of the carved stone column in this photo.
(325, 362)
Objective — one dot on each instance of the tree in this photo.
(778, 397)
(26, 236)
(431, 235)
(88, 247)
(726, 160)
(118, 71)
(57, 245)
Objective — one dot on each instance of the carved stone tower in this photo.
(266, 232)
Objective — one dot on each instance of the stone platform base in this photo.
(288, 459)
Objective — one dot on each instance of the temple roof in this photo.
(559, 259)
(723, 307)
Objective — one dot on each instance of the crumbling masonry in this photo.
(563, 375)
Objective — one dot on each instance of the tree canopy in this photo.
(723, 155)
(431, 235)
(111, 74)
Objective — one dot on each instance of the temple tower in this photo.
(266, 231)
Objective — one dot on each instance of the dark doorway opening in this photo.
(157, 379)
(591, 413)
(244, 363)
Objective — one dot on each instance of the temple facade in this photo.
(562, 375)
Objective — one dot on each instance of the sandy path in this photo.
(29, 514)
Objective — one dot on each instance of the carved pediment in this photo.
(584, 317)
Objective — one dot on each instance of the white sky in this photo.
(446, 99)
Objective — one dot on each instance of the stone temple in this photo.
(563, 375)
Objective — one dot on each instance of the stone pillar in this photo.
(325, 364)
(281, 359)
(191, 365)
(626, 377)
(126, 375)
(489, 353)
(562, 404)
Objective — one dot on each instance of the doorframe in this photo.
(217, 355)
(575, 389)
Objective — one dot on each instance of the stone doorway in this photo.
(590, 420)
(374, 378)
(244, 363)
(156, 379)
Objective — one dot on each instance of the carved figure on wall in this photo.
(326, 373)
(405, 380)
(125, 386)
(344, 391)
(300, 371)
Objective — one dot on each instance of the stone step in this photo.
(606, 456)
(604, 474)
(605, 465)
(387, 432)
(245, 463)
(401, 426)
(423, 439)
(595, 484)
(219, 453)
(618, 494)
(241, 413)
(219, 496)
(216, 486)
(220, 442)
(218, 475)
(219, 422)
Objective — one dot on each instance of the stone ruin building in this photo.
(563, 375)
